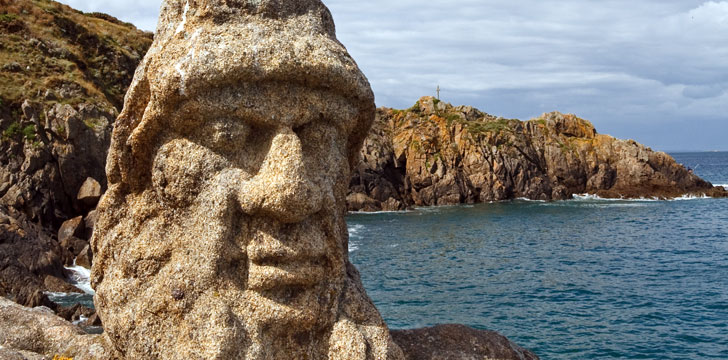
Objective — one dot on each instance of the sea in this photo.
(587, 278)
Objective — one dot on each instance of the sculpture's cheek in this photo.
(181, 169)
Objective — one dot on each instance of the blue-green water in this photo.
(580, 279)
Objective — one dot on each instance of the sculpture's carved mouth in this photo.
(275, 273)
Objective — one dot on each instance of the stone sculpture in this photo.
(222, 234)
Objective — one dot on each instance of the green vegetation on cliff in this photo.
(438, 154)
(51, 53)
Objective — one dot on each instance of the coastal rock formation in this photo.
(37, 333)
(458, 342)
(62, 81)
(437, 154)
(222, 234)
(27, 257)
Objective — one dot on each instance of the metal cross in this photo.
(438, 92)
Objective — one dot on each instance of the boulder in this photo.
(27, 256)
(228, 171)
(458, 342)
(90, 192)
(361, 202)
(38, 333)
(58, 285)
(73, 246)
(90, 221)
(71, 228)
(75, 312)
(85, 257)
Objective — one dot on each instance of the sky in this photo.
(651, 70)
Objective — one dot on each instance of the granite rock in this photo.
(438, 154)
(222, 233)
(37, 333)
(27, 256)
(70, 228)
(90, 192)
(458, 342)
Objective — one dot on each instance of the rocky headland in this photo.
(438, 154)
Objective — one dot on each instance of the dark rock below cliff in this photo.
(458, 342)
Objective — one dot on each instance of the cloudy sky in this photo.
(652, 70)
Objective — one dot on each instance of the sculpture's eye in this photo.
(322, 147)
(228, 135)
(180, 170)
(240, 142)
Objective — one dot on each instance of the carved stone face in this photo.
(279, 185)
(222, 234)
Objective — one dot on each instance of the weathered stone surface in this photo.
(74, 246)
(70, 228)
(38, 333)
(85, 257)
(222, 234)
(27, 256)
(437, 154)
(90, 192)
(458, 342)
(90, 222)
(56, 284)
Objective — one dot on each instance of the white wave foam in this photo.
(353, 247)
(80, 320)
(81, 278)
(354, 230)
(354, 234)
(592, 197)
(690, 197)
(378, 212)
(529, 200)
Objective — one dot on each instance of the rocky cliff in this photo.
(63, 76)
(438, 154)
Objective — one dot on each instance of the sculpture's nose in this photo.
(283, 188)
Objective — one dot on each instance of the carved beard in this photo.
(228, 278)
(283, 281)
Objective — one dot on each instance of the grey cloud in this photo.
(632, 67)
(703, 91)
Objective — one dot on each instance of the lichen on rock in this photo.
(222, 233)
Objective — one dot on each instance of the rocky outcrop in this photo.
(458, 342)
(38, 333)
(222, 233)
(60, 91)
(437, 154)
(27, 257)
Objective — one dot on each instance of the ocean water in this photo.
(580, 279)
